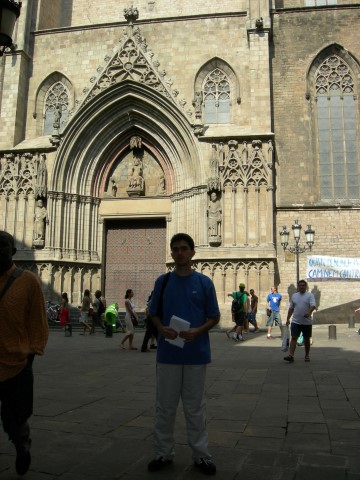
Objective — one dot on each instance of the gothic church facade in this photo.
(122, 125)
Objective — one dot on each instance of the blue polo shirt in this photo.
(192, 298)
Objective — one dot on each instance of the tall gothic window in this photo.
(337, 133)
(56, 107)
(216, 92)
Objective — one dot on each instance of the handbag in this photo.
(285, 340)
(134, 321)
(91, 312)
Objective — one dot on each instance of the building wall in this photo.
(299, 36)
(298, 39)
(269, 141)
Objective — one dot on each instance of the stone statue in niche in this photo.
(135, 178)
(161, 185)
(57, 116)
(41, 177)
(113, 187)
(40, 220)
(214, 183)
(197, 103)
(214, 214)
(136, 183)
(136, 174)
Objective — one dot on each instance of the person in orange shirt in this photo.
(23, 334)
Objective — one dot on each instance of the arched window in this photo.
(216, 94)
(56, 106)
(336, 128)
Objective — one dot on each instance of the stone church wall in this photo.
(231, 185)
(298, 38)
(178, 52)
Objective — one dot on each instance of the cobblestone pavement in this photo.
(267, 419)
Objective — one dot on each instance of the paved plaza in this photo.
(267, 419)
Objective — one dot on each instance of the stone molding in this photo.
(131, 61)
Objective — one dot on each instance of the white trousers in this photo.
(187, 382)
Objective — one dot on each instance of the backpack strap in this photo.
(241, 295)
(15, 274)
(160, 312)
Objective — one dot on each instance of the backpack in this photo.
(237, 305)
(101, 308)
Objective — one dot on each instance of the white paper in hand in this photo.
(179, 325)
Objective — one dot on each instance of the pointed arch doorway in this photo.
(135, 254)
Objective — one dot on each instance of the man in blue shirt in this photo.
(181, 367)
(273, 310)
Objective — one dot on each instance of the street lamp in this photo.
(9, 13)
(297, 249)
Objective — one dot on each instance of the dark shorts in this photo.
(252, 318)
(239, 319)
(296, 329)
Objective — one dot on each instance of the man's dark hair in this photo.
(8, 237)
(178, 237)
(303, 281)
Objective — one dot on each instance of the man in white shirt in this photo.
(302, 305)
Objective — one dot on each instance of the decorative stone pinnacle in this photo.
(131, 14)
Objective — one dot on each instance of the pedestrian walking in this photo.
(273, 302)
(301, 308)
(23, 334)
(185, 298)
(151, 332)
(99, 307)
(64, 311)
(239, 309)
(85, 312)
(130, 314)
(254, 300)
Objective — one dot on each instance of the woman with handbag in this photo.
(131, 320)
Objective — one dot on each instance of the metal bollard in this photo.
(352, 321)
(332, 332)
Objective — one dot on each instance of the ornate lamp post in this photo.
(297, 249)
(9, 13)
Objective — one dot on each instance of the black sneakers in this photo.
(158, 464)
(206, 465)
(289, 358)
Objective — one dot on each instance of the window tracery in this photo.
(216, 93)
(336, 129)
(56, 108)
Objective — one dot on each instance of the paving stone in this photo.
(95, 420)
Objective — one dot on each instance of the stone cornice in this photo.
(149, 21)
(320, 207)
(240, 137)
(280, 11)
(198, 190)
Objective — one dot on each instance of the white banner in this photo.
(322, 267)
